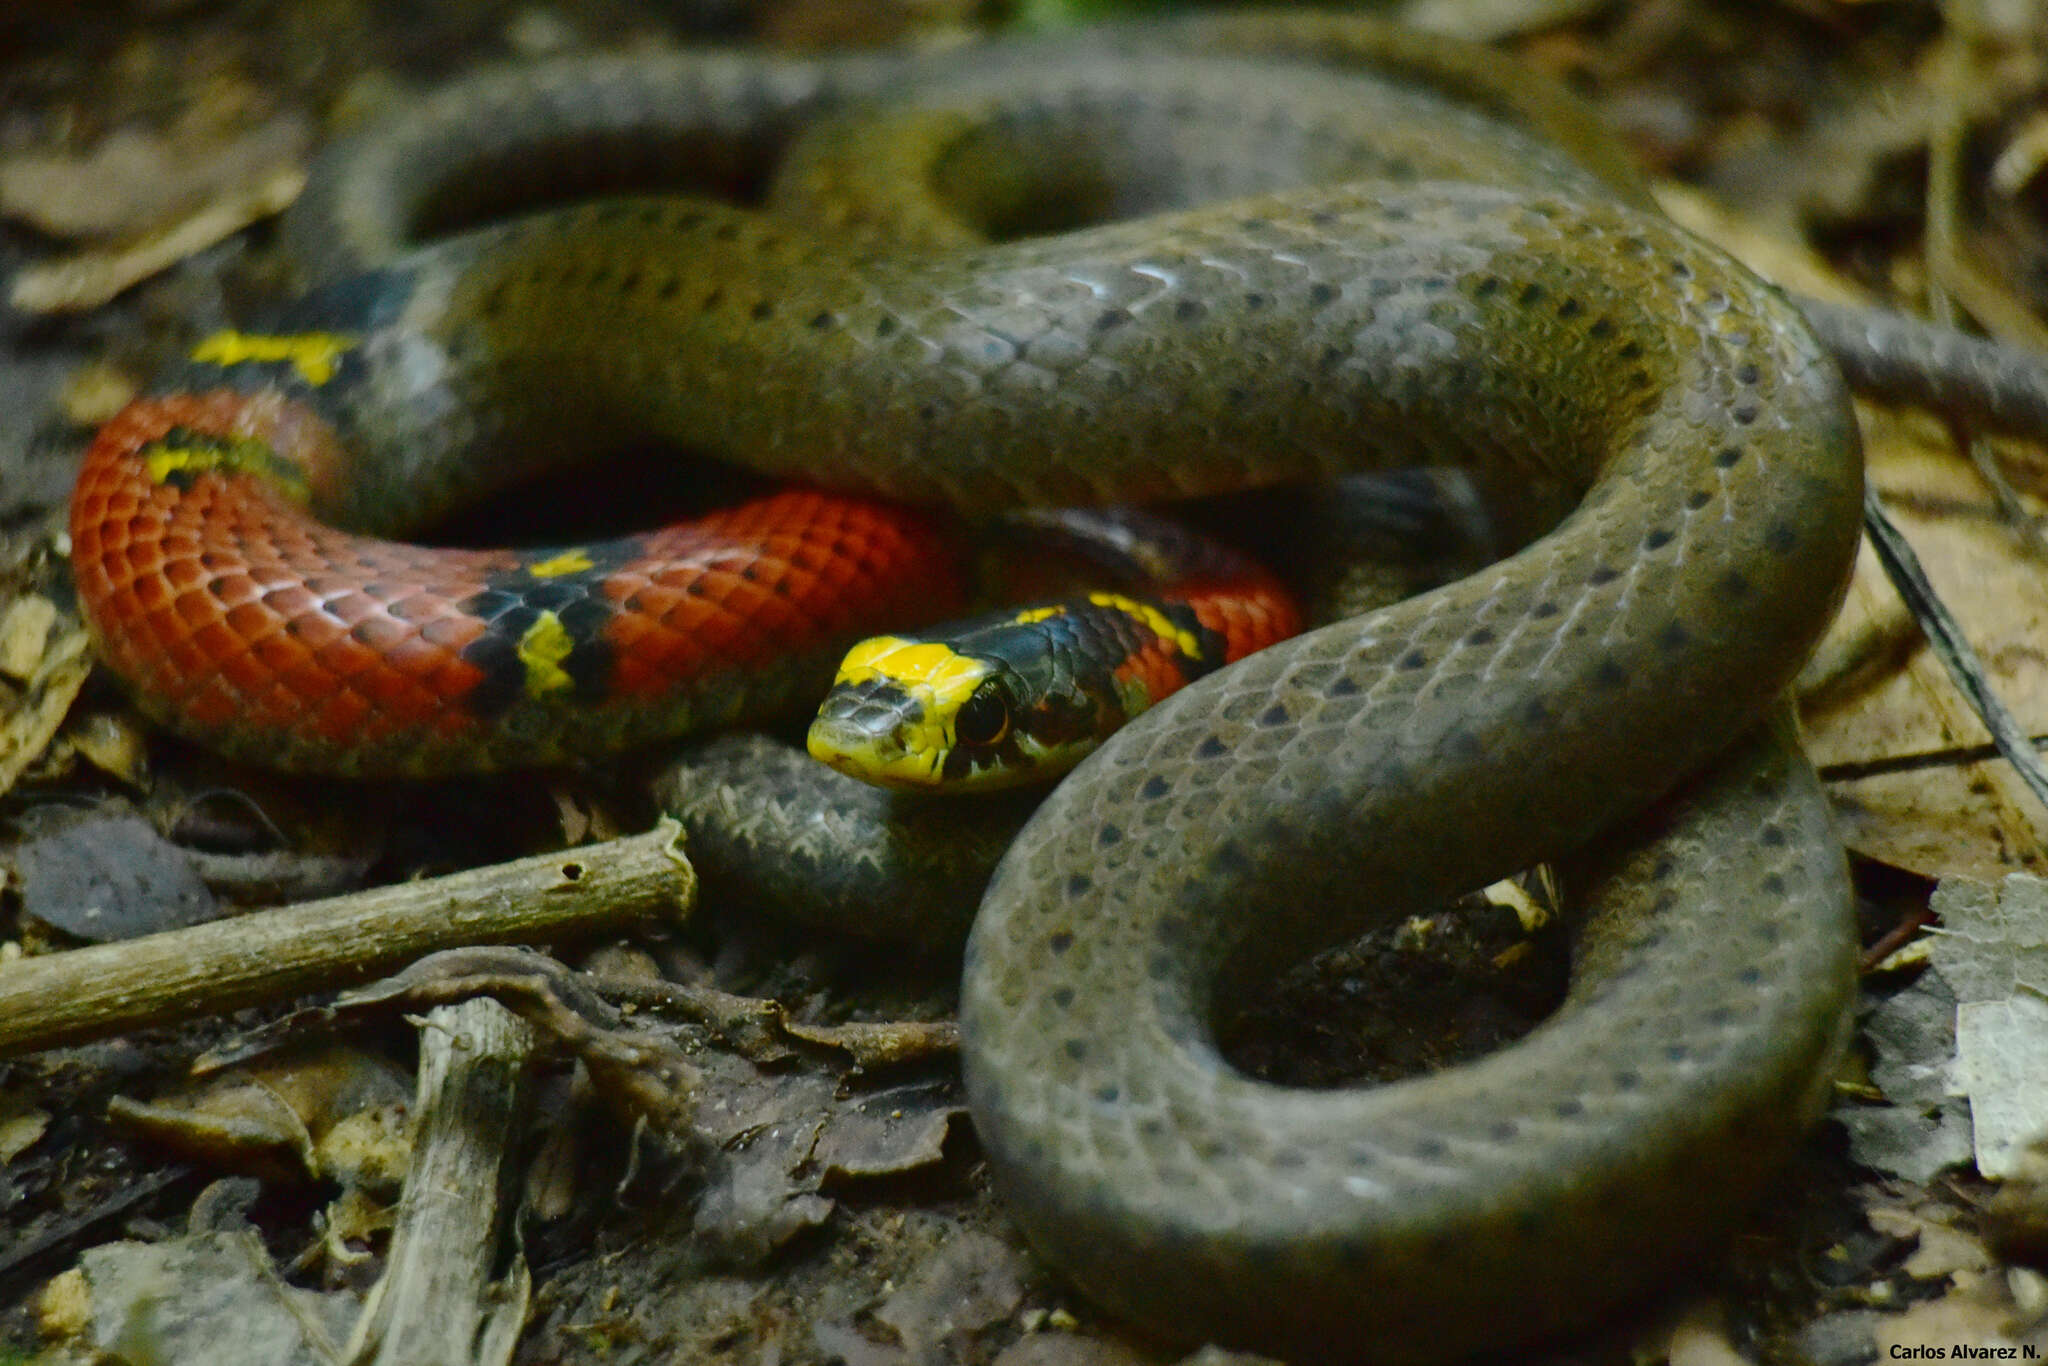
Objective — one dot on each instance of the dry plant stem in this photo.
(182, 974)
(1901, 565)
(1945, 635)
(436, 1301)
(1950, 273)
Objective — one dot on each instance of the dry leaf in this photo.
(137, 180)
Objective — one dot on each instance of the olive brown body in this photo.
(1401, 270)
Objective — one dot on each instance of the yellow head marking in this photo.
(923, 668)
(189, 453)
(313, 354)
(1031, 614)
(568, 562)
(542, 648)
(911, 751)
(1155, 621)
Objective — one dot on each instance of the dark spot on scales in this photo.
(1079, 884)
(1155, 787)
(1211, 748)
(1414, 659)
(1063, 997)
(1674, 636)
(1610, 674)
(1657, 539)
(1728, 457)
(1060, 941)
(1230, 858)
(1112, 318)
(1275, 715)
(1602, 574)
(1781, 539)
(1077, 1049)
(1107, 835)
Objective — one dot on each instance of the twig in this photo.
(436, 1301)
(1950, 275)
(1902, 567)
(1948, 756)
(181, 974)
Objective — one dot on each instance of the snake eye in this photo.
(984, 718)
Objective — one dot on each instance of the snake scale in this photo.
(1389, 261)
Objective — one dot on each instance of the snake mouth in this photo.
(878, 732)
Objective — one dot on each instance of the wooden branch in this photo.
(88, 993)
(436, 1300)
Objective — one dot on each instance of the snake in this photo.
(1138, 264)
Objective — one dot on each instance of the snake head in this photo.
(980, 706)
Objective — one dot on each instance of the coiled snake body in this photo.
(1358, 302)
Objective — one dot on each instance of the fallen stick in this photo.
(89, 993)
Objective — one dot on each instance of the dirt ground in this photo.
(842, 1213)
